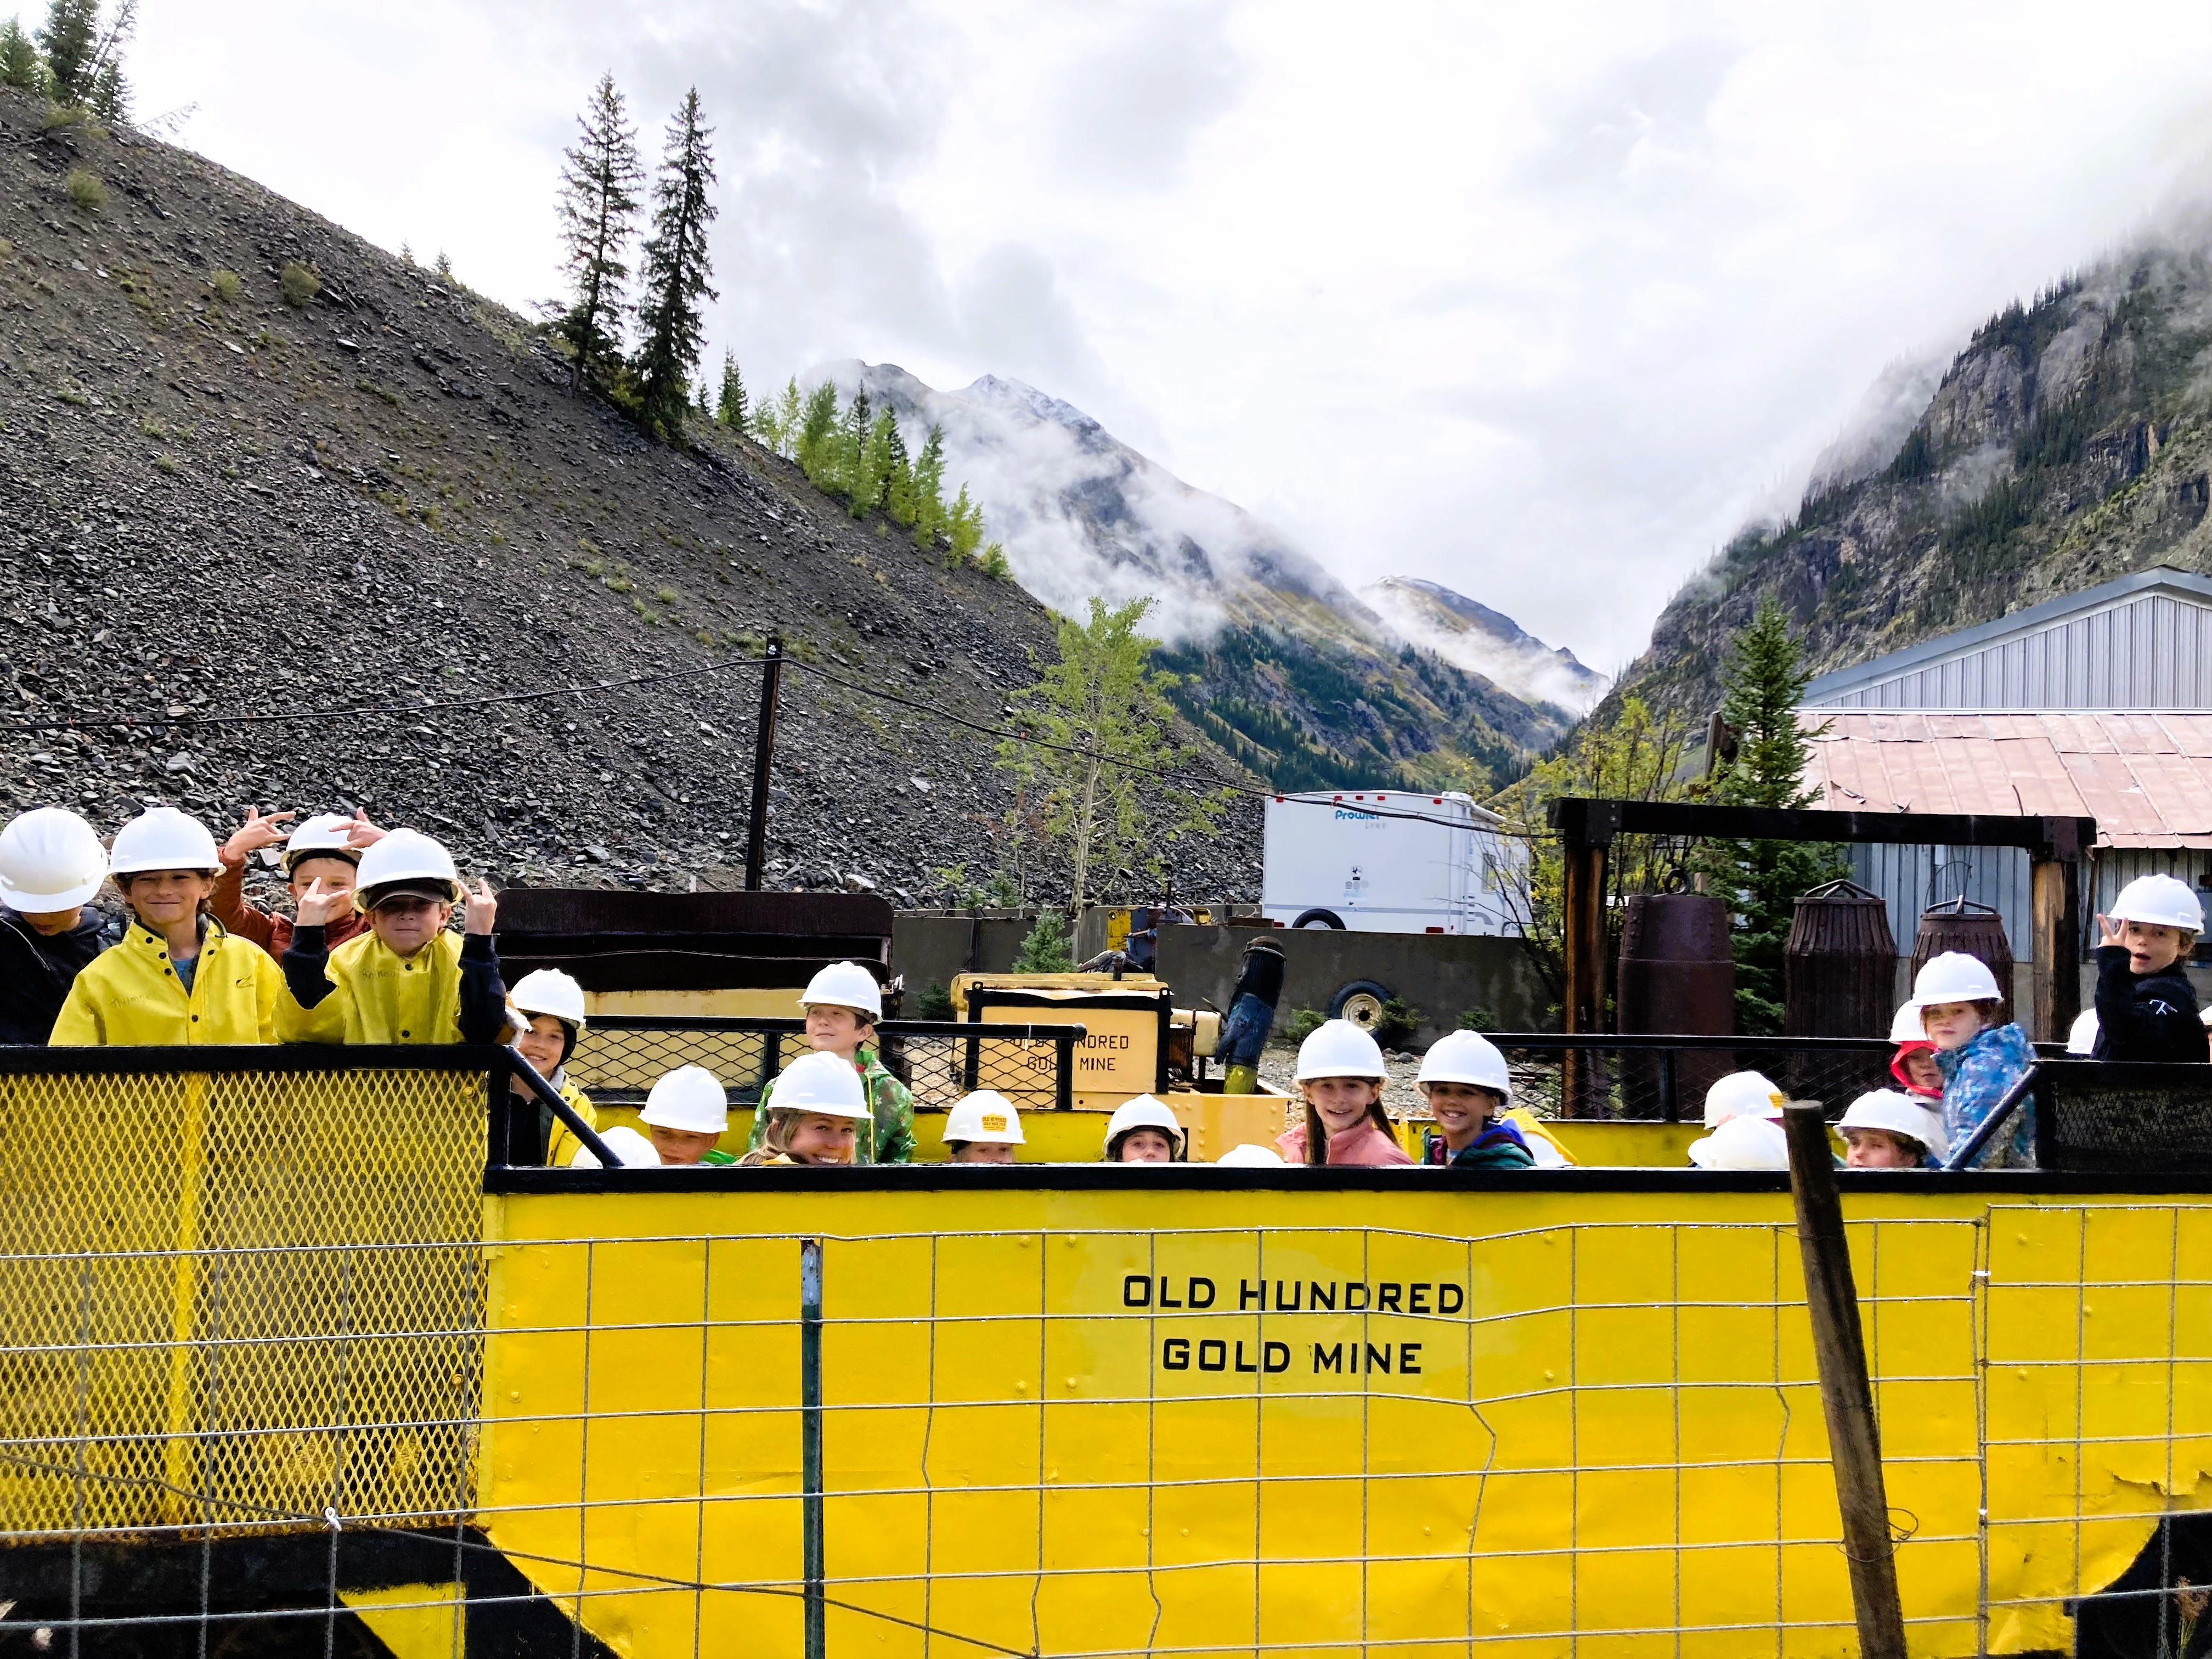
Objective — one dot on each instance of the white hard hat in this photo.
(1144, 1112)
(632, 1149)
(2160, 902)
(1908, 1027)
(163, 838)
(1954, 977)
(1899, 1114)
(690, 1098)
(1741, 1094)
(986, 1116)
(324, 836)
(406, 855)
(822, 1083)
(1467, 1057)
(50, 859)
(845, 985)
(2081, 1038)
(1339, 1048)
(1743, 1143)
(1249, 1157)
(550, 991)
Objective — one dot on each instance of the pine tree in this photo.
(678, 270)
(730, 407)
(790, 414)
(964, 528)
(899, 481)
(600, 177)
(815, 448)
(929, 490)
(70, 40)
(1763, 681)
(19, 64)
(443, 267)
(111, 95)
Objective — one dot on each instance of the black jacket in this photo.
(36, 972)
(2151, 1017)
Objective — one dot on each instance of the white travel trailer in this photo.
(1390, 861)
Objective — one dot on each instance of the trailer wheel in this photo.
(1361, 1002)
(1319, 919)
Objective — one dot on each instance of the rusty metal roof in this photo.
(2146, 778)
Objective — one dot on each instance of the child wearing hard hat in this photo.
(819, 1107)
(1982, 1061)
(2146, 1007)
(1464, 1081)
(51, 864)
(327, 847)
(406, 980)
(176, 976)
(1339, 1076)
(686, 1114)
(843, 1003)
(982, 1127)
(546, 1011)
(1884, 1129)
(1913, 1065)
(1144, 1130)
(1743, 1116)
(632, 1151)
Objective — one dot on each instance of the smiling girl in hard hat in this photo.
(1144, 1130)
(406, 980)
(176, 977)
(51, 864)
(546, 1009)
(1464, 1081)
(982, 1127)
(1981, 1061)
(1886, 1130)
(1339, 1076)
(326, 848)
(819, 1108)
(843, 1003)
(2146, 1006)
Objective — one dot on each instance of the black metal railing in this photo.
(1664, 1078)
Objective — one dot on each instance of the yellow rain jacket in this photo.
(560, 1146)
(130, 994)
(377, 995)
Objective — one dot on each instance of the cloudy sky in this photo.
(1539, 301)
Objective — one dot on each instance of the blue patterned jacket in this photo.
(1976, 1078)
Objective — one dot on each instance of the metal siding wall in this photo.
(2151, 653)
(1903, 876)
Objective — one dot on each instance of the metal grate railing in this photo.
(1664, 1078)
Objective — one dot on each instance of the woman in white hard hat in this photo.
(1464, 1081)
(843, 1003)
(1340, 1078)
(1981, 1060)
(51, 864)
(406, 980)
(982, 1127)
(816, 1117)
(1144, 1130)
(326, 848)
(2146, 1007)
(1884, 1129)
(176, 977)
(546, 1009)
(686, 1117)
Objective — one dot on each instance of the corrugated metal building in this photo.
(2099, 703)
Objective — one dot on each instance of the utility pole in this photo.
(764, 750)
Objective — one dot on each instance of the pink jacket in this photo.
(1362, 1144)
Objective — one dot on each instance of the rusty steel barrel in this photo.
(1840, 980)
(1973, 929)
(1676, 978)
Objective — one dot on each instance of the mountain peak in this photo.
(1471, 635)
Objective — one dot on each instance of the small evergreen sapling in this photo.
(730, 407)
(21, 66)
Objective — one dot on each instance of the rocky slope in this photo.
(1303, 680)
(2069, 442)
(217, 507)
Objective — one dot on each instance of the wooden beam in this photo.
(1847, 1395)
(2055, 950)
(1581, 820)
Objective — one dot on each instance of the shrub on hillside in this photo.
(299, 284)
(86, 190)
(226, 286)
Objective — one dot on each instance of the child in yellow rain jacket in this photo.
(407, 980)
(176, 977)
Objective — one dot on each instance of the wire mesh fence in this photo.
(1664, 1078)
(620, 1057)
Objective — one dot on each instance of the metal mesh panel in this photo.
(2124, 1119)
(1666, 1080)
(620, 1059)
(232, 1294)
